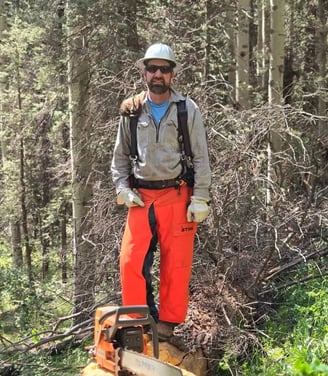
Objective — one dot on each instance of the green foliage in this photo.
(35, 308)
(43, 364)
(29, 309)
(296, 338)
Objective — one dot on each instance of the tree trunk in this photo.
(22, 180)
(81, 159)
(276, 70)
(65, 140)
(130, 17)
(263, 45)
(231, 33)
(242, 54)
(289, 55)
(277, 46)
(63, 253)
(16, 244)
(321, 59)
(14, 224)
(207, 49)
(26, 236)
(253, 28)
(44, 125)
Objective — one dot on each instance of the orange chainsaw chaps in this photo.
(176, 239)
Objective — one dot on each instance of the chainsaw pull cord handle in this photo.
(146, 319)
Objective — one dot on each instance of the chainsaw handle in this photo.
(146, 319)
(128, 310)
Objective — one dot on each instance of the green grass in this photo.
(296, 336)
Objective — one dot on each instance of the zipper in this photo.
(159, 125)
(157, 129)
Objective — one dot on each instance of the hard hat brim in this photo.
(141, 64)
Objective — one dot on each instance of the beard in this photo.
(158, 86)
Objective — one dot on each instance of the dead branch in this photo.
(309, 277)
(313, 255)
(75, 333)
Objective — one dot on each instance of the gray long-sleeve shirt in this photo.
(159, 155)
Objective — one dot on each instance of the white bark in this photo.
(242, 54)
(277, 49)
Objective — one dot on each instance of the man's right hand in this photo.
(129, 198)
(132, 104)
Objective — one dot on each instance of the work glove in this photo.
(132, 104)
(130, 198)
(198, 209)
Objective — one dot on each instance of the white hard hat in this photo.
(159, 51)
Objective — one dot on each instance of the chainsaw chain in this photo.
(123, 372)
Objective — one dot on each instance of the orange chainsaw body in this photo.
(117, 327)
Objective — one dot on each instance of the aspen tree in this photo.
(277, 45)
(263, 40)
(242, 54)
(80, 130)
(275, 88)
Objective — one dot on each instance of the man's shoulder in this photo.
(133, 104)
(177, 97)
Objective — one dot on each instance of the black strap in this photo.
(183, 130)
(133, 131)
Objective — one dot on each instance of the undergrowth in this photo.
(295, 338)
(69, 363)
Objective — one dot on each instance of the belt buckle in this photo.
(181, 183)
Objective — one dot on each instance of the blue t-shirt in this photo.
(158, 110)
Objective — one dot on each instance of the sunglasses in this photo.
(163, 68)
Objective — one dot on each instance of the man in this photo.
(163, 209)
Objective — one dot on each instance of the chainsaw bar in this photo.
(143, 365)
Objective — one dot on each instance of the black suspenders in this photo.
(133, 130)
(183, 135)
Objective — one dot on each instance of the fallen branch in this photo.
(286, 285)
(77, 332)
(275, 271)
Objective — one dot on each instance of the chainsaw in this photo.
(120, 343)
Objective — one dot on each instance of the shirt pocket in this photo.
(143, 135)
(169, 136)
